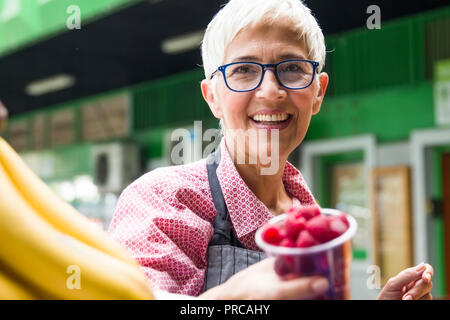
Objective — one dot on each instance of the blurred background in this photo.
(94, 90)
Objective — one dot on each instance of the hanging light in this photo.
(182, 43)
(51, 84)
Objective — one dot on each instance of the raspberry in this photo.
(292, 210)
(286, 242)
(284, 265)
(343, 218)
(337, 226)
(321, 260)
(319, 228)
(305, 239)
(308, 212)
(306, 265)
(272, 234)
(294, 225)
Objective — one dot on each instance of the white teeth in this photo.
(273, 117)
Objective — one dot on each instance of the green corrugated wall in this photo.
(170, 101)
(401, 52)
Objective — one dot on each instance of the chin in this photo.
(279, 150)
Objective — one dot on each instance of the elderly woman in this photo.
(192, 227)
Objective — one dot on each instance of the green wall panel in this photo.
(151, 142)
(360, 63)
(402, 52)
(175, 100)
(61, 163)
(437, 220)
(391, 113)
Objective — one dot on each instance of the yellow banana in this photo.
(27, 290)
(59, 264)
(53, 209)
(10, 290)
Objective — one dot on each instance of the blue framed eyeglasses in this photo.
(247, 76)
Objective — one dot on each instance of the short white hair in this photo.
(238, 14)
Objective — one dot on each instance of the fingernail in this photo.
(320, 286)
(428, 276)
(420, 267)
(407, 297)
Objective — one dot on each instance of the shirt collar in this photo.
(247, 212)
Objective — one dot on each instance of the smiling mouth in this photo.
(271, 119)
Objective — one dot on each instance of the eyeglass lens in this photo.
(246, 76)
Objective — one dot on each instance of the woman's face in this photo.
(266, 44)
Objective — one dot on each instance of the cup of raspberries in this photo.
(310, 241)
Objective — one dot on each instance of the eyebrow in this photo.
(285, 56)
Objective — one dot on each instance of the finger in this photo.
(428, 296)
(405, 277)
(409, 286)
(421, 289)
(428, 273)
(303, 288)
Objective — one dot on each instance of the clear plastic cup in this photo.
(331, 259)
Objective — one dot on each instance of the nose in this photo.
(270, 88)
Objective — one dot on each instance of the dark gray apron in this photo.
(226, 254)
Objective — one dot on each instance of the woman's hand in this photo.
(410, 284)
(260, 282)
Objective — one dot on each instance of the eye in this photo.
(291, 67)
(243, 69)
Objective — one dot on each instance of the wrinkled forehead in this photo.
(280, 37)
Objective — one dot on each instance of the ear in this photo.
(210, 98)
(323, 83)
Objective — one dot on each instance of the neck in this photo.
(268, 188)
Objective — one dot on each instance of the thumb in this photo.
(405, 277)
(303, 288)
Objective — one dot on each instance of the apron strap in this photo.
(223, 233)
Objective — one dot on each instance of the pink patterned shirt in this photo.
(165, 217)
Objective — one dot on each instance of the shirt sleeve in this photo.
(156, 223)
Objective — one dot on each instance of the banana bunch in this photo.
(48, 250)
(10, 289)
